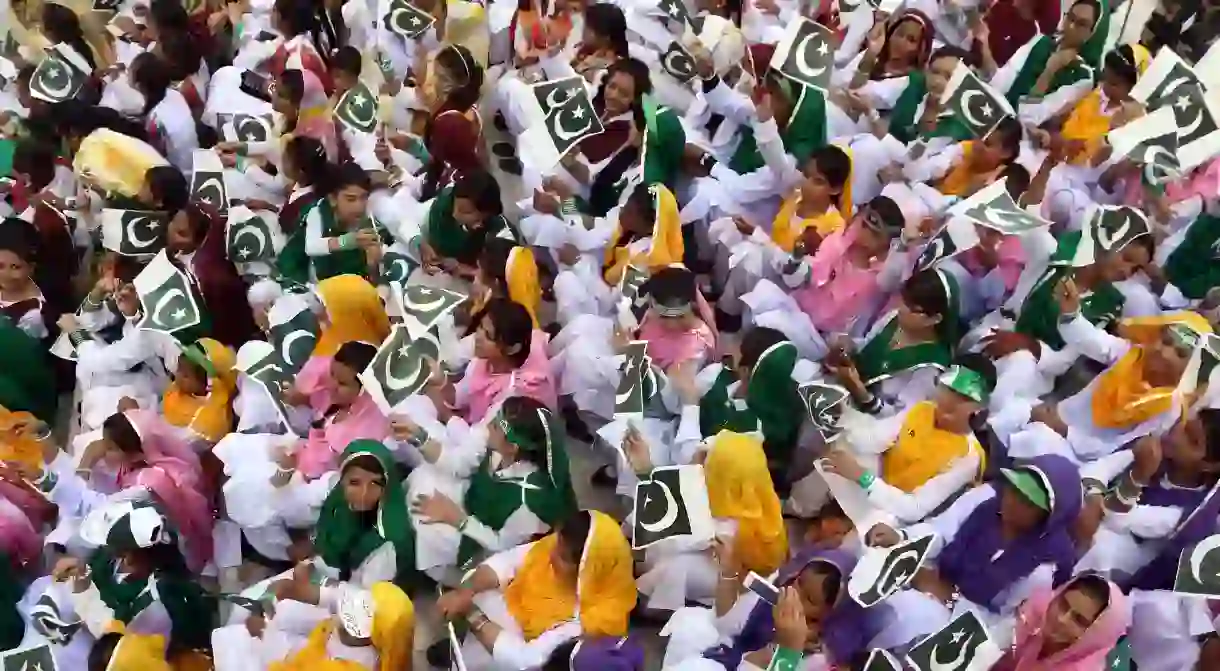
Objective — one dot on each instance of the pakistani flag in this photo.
(1171, 83)
(60, 75)
(397, 265)
(671, 503)
(975, 103)
(47, 619)
(880, 660)
(963, 645)
(243, 127)
(133, 232)
(1152, 142)
(825, 404)
(166, 295)
(37, 658)
(956, 236)
(405, 19)
(252, 237)
(884, 571)
(559, 115)
(629, 396)
(423, 307)
(676, 11)
(994, 208)
(293, 330)
(806, 54)
(401, 368)
(632, 281)
(357, 109)
(678, 62)
(260, 361)
(208, 181)
(1109, 229)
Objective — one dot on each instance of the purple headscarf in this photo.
(1200, 508)
(845, 631)
(608, 654)
(967, 561)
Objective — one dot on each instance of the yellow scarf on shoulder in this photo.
(923, 451)
(211, 416)
(666, 248)
(961, 177)
(393, 637)
(739, 487)
(787, 229)
(1122, 397)
(1088, 123)
(539, 598)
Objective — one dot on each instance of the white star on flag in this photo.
(415, 21)
(1182, 102)
(957, 636)
(673, 9)
(579, 113)
(359, 100)
(986, 110)
(179, 314)
(404, 351)
(153, 225)
(244, 252)
(823, 49)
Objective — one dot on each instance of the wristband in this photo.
(785, 659)
(347, 241)
(866, 480)
(77, 337)
(568, 207)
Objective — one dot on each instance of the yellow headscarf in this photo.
(739, 487)
(961, 176)
(785, 231)
(1122, 397)
(923, 451)
(18, 443)
(539, 598)
(667, 247)
(522, 277)
(393, 637)
(115, 162)
(1089, 123)
(354, 312)
(210, 416)
(139, 653)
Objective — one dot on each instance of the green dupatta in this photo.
(805, 132)
(1039, 315)
(772, 404)
(1194, 267)
(27, 381)
(547, 492)
(1088, 62)
(192, 611)
(451, 240)
(344, 540)
(877, 360)
(294, 264)
(904, 121)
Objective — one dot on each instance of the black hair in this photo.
(950, 51)
(102, 650)
(561, 657)
(756, 341)
(298, 18)
(308, 156)
(198, 221)
(1121, 63)
(1009, 132)
(1093, 586)
(61, 24)
(641, 199)
(1095, 4)
(182, 55)
(457, 59)
(891, 215)
(37, 160)
(513, 326)
(832, 578)
(291, 86)
(169, 15)
(608, 21)
(151, 76)
(981, 364)
(674, 285)
(1210, 419)
(480, 188)
(356, 355)
(834, 164)
(832, 510)
(348, 60)
(348, 174)
(925, 293)
(168, 187)
(20, 238)
(573, 533)
(76, 118)
(638, 71)
(493, 261)
(1018, 179)
(522, 412)
(120, 431)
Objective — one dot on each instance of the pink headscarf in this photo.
(668, 347)
(533, 379)
(1086, 654)
(171, 472)
(18, 537)
(319, 451)
(837, 289)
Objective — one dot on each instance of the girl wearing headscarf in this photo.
(747, 516)
(463, 218)
(53, 257)
(1153, 373)
(373, 628)
(276, 481)
(510, 359)
(199, 400)
(1073, 628)
(1058, 68)
(742, 628)
(520, 487)
(354, 313)
(996, 546)
(454, 132)
(525, 602)
(506, 270)
(838, 288)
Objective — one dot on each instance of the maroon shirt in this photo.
(1010, 30)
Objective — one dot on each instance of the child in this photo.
(461, 218)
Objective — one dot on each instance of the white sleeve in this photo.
(511, 652)
(315, 244)
(505, 564)
(154, 619)
(946, 524)
(883, 94)
(784, 169)
(867, 434)
(1037, 113)
(688, 441)
(1042, 577)
(1105, 469)
(933, 166)
(31, 323)
(522, 525)
(914, 506)
(1145, 521)
(380, 566)
(93, 612)
(733, 105)
(1007, 74)
(120, 355)
(1092, 341)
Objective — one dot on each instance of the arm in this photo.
(914, 506)
(782, 165)
(1092, 341)
(1060, 100)
(511, 652)
(732, 104)
(522, 525)
(946, 524)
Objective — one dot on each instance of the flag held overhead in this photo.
(166, 296)
(423, 307)
(252, 237)
(883, 571)
(401, 367)
(678, 62)
(406, 20)
(60, 76)
(260, 361)
(956, 236)
(973, 102)
(1152, 142)
(994, 208)
(133, 232)
(358, 109)
(558, 116)
(294, 330)
(1170, 82)
(806, 54)
(243, 127)
(208, 181)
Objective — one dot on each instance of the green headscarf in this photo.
(28, 381)
(805, 132)
(772, 403)
(904, 125)
(878, 359)
(344, 539)
(1194, 267)
(1085, 67)
(1039, 314)
(547, 492)
(450, 239)
(294, 264)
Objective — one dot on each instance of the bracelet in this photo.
(478, 621)
(462, 527)
(568, 207)
(78, 337)
(730, 576)
(866, 480)
(952, 600)
(347, 241)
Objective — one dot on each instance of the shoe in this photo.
(504, 150)
(575, 425)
